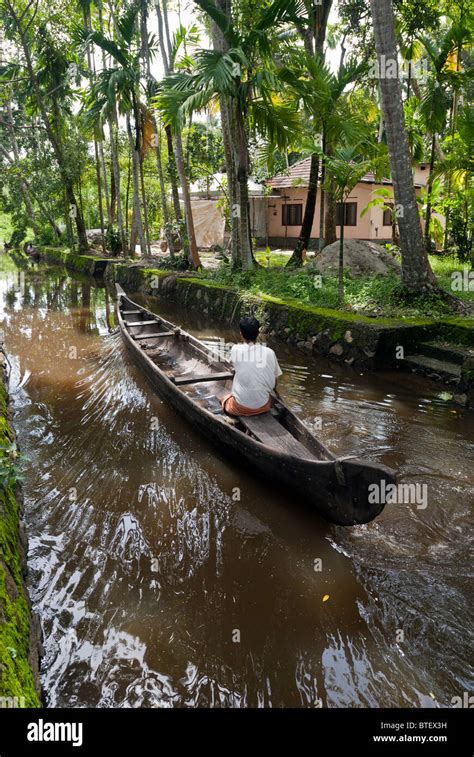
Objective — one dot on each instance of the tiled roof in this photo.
(298, 176)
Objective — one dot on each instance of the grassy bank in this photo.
(376, 295)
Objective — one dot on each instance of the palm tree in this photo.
(119, 85)
(85, 7)
(346, 167)
(435, 100)
(175, 147)
(416, 269)
(251, 89)
(457, 167)
(220, 43)
(328, 112)
(313, 34)
(151, 91)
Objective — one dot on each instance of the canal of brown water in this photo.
(158, 586)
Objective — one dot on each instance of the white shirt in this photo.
(256, 371)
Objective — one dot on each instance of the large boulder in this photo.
(360, 259)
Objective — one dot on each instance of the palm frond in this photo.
(282, 11)
(275, 121)
(126, 23)
(109, 46)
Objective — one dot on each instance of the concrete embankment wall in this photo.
(20, 636)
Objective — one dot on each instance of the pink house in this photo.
(286, 205)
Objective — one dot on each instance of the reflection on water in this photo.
(165, 576)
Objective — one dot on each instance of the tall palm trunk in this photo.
(340, 277)
(242, 160)
(330, 234)
(305, 234)
(237, 162)
(159, 164)
(232, 184)
(192, 251)
(165, 47)
(314, 36)
(322, 200)
(219, 43)
(145, 205)
(98, 174)
(173, 175)
(429, 198)
(127, 192)
(103, 169)
(136, 191)
(416, 270)
(165, 50)
(164, 199)
(452, 129)
(113, 129)
(112, 121)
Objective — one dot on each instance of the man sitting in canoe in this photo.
(256, 372)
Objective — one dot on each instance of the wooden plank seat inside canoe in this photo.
(131, 312)
(141, 323)
(153, 336)
(198, 378)
(270, 432)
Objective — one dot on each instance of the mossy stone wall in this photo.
(19, 630)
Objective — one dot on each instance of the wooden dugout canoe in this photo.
(277, 445)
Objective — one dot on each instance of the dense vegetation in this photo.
(110, 110)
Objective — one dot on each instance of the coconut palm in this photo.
(416, 269)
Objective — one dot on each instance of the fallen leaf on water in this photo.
(326, 597)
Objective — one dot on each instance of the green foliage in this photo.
(204, 152)
(113, 241)
(9, 464)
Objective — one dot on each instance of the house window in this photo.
(350, 213)
(387, 216)
(292, 215)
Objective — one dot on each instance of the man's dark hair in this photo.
(249, 328)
